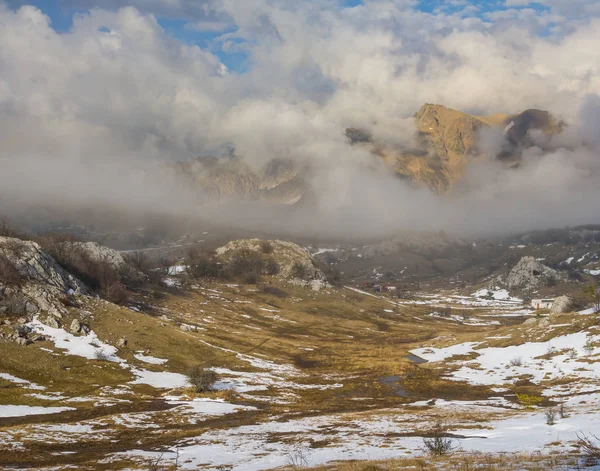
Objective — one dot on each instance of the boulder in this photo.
(529, 274)
(561, 305)
(75, 327)
(122, 342)
(23, 341)
(51, 322)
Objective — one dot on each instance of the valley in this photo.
(306, 374)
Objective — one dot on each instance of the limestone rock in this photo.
(51, 322)
(529, 274)
(35, 265)
(45, 285)
(561, 305)
(23, 341)
(122, 342)
(75, 327)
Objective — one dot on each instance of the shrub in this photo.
(271, 267)
(7, 229)
(201, 264)
(9, 275)
(202, 379)
(562, 411)
(550, 415)
(518, 361)
(266, 247)
(155, 269)
(590, 449)
(114, 292)
(247, 264)
(298, 270)
(438, 443)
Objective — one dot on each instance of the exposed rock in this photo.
(188, 328)
(529, 274)
(37, 338)
(23, 341)
(51, 322)
(122, 342)
(99, 253)
(45, 284)
(35, 265)
(75, 327)
(561, 305)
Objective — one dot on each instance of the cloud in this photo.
(86, 112)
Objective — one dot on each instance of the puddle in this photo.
(395, 382)
(415, 358)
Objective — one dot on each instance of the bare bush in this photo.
(271, 267)
(202, 379)
(438, 443)
(9, 275)
(8, 230)
(115, 292)
(246, 264)
(562, 411)
(550, 416)
(298, 270)
(297, 457)
(518, 361)
(202, 264)
(590, 448)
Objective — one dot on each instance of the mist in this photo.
(93, 117)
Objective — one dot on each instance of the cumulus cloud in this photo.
(84, 113)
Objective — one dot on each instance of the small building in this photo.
(542, 303)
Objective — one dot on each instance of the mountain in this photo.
(446, 142)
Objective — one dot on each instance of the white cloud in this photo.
(117, 89)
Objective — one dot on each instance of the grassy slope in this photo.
(352, 340)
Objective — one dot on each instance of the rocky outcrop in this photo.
(230, 177)
(561, 305)
(34, 265)
(99, 253)
(42, 287)
(294, 262)
(529, 274)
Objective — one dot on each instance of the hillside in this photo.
(297, 370)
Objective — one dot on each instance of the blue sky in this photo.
(61, 14)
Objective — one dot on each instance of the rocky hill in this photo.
(446, 143)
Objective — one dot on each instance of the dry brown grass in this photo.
(461, 462)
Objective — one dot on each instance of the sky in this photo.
(93, 94)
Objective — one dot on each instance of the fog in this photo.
(92, 117)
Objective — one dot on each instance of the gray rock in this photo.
(37, 338)
(23, 341)
(122, 342)
(561, 305)
(529, 274)
(85, 329)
